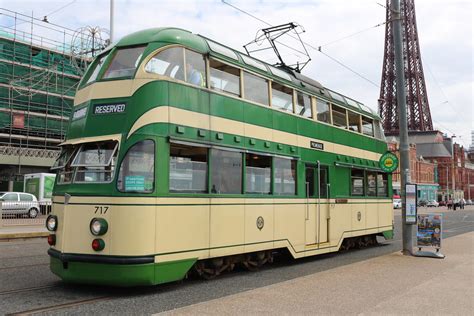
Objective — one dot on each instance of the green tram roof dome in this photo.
(199, 43)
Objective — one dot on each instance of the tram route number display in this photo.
(430, 230)
(109, 108)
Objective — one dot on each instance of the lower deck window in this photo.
(188, 168)
(371, 183)
(258, 174)
(382, 184)
(284, 176)
(226, 172)
(357, 182)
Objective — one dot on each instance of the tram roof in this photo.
(201, 44)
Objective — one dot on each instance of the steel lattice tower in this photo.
(418, 109)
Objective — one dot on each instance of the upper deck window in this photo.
(367, 126)
(195, 68)
(303, 105)
(124, 62)
(322, 110)
(339, 116)
(222, 50)
(224, 77)
(168, 62)
(255, 88)
(282, 97)
(253, 62)
(354, 121)
(352, 103)
(97, 67)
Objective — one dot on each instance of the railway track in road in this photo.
(60, 306)
(27, 289)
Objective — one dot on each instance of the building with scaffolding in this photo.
(39, 73)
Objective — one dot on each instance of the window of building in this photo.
(188, 168)
(255, 89)
(357, 182)
(195, 68)
(282, 97)
(354, 121)
(322, 110)
(224, 77)
(339, 116)
(382, 184)
(258, 174)
(137, 171)
(303, 105)
(371, 183)
(168, 62)
(284, 176)
(226, 172)
(124, 63)
(367, 126)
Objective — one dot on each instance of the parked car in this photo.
(468, 202)
(422, 202)
(442, 203)
(19, 203)
(432, 203)
(397, 203)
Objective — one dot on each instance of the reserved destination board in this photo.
(109, 108)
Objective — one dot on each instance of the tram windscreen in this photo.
(124, 63)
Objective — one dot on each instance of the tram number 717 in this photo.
(101, 209)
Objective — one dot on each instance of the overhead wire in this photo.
(318, 48)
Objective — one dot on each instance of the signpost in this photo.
(411, 203)
(429, 234)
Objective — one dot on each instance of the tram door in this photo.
(317, 205)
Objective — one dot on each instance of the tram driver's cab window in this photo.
(137, 171)
(95, 162)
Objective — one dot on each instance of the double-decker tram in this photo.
(183, 154)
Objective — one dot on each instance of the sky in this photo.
(347, 31)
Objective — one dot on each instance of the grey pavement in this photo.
(8, 232)
(390, 284)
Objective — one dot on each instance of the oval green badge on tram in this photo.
(388, 162)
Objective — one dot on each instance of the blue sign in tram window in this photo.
(135, 183)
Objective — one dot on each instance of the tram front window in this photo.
(124, 63)
(95, 162)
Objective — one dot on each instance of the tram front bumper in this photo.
(116, 270)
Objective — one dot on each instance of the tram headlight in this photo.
(98, 226)
(52, 223)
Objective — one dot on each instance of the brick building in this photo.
(422, 172)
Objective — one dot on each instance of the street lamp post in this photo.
(407, 229)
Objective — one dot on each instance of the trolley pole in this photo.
(407, 229)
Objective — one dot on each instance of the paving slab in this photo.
(390, 284)
(22, 231)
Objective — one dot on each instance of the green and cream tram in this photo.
(185, 154)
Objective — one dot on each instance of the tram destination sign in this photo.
(109, 108)
(316, 145)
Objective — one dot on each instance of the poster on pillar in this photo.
(410, 204)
